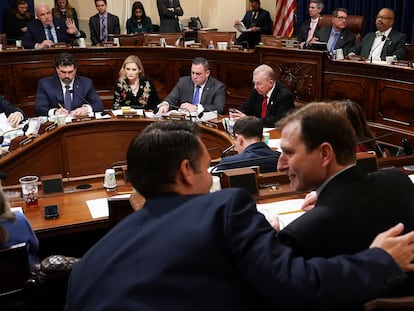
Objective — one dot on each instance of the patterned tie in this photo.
(68, 98)
(103, 29)
(196, 98)
(264, 106)
(49, 33)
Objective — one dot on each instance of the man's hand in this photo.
(14, 118)
(45, 44)
(163, 108)
(189, 107)
(309, 202)
(71, 26)
(80, 112)
(61, 112)
(236, 114)
(400, 247)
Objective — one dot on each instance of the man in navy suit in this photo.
(269, 99)
(198, 92)
(186, 249)
(257, 21)
(66, 93)
(103, 23)
(14, 114)
(46, 31)
(169, 11)
(337, 36)
(248, 142)
(386, 41)
(351, 206)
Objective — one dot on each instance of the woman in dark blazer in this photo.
(133, 89)
(139, 21)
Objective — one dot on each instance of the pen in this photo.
(60, 106)
(291, 212)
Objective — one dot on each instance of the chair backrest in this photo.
(170, 38)
(130, 39)
(270, 40)
(14, 268)
(355, 24)
(410, 51)
(204, 37)
(3, 39)
(405, 303)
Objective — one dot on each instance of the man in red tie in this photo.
(269, 99)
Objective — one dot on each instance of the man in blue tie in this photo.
(337, 36)
(195, 90)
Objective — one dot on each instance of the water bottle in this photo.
(211, 45)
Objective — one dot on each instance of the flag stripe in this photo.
(284, 18)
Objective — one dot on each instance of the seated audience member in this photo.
(252, 151)
(169, 11)
(195, 245)
(139, 21)
(309, 26)
(198, 89)
(65, 92)
(386, 41)
(46, 31)
(15, 229)
(133, 88)
(17, 20)
(269, 99)
(64, 10)
(337, 36)
(365, 138)
(14, 114)
(258, 22)
(351, 205)
(103, 23)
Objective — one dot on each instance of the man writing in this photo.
(201, 251)
(197, 92)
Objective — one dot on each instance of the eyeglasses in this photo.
(383, 17)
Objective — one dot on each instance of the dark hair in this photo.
(156, 154)
(65, 59)
(15, 10)
(249, 127)
(201, 61)
(257, 1)
(7, 214)
(56, 10)
(101, 0)
(138, 5)
(335, 12)
(322, 122)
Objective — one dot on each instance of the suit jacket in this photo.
(394, 45)
(95, 27)
(345, 41)
(212, 98)
(304, 28)
(169, 20)
(251, 157)
(280, 102)
(8, 108)
(350, 211)
(262, 20)
(50, 94)
(214, 252)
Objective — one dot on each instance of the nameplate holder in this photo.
(240, 178)
(209, 124)
(52, 183)
(218, 123)
(129, 116)
(47, 127)
(25, 141)
(19, 141)
(81, 119)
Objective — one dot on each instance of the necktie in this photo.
(103, 29)
(311, 30)
(332, 41)
(49, 33)
(171, 3)
(68, 98)
(196, 98)
(264, 106)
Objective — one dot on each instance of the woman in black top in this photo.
(139, 21)
(64, 10)
(17, 20)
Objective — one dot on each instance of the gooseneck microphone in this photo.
(81, 97)
(376, 47)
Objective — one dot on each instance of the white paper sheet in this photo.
(98, 207)
(290, 207)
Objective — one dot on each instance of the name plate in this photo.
(80, 119)
(210, 125)
(26, 141)
(130, 116)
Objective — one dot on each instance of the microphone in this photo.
(81, 97)
(369, 140)
(376, 47)
(177, 42)
(234, 164)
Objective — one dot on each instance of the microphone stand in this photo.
(83, 118)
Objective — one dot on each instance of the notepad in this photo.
(287, 210)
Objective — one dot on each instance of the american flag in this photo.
(284, 19)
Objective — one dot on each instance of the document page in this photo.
(287, 210)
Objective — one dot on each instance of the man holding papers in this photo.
(188, 249)
(318, 153)
(14, 115)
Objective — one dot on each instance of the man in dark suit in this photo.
(337, 36)
(351, 206)
(269, 99)
(187, 249)
(14, 114)
(257, 21)
(248, 142)
(103, 23)
(386, 41)
(198, 92)
(66, 93)
(169, 10)
(307, 29)
(46, 31)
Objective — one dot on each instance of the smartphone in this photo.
(51, 211)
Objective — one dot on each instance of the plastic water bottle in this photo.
(211, 45)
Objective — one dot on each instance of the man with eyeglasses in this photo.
(386, 41)
(337, 36)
